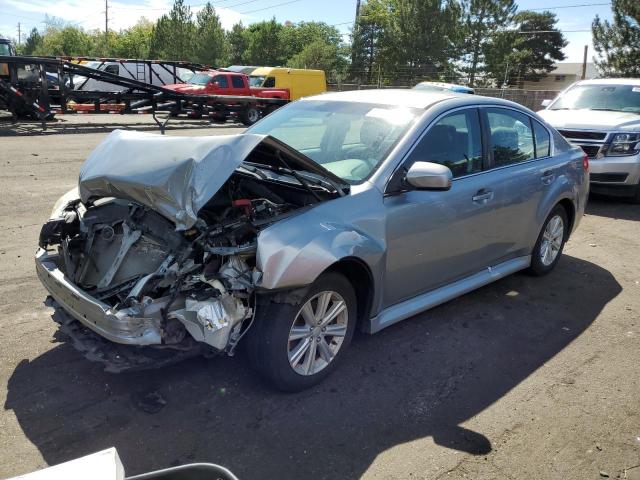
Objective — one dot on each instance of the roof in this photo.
(569, 68)
(263, 71)
(398, 97)
(612, 81)
(448, 86)
(409, 98)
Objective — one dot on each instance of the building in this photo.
(561, 77)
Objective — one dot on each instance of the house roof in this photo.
(568, 68)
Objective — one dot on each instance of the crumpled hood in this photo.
(592, 120)
(175, 176)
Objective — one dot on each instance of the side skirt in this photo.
(425, 301)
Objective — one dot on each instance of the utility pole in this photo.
(19, 34)
(584, 63)
(355, 31)
(106, 25)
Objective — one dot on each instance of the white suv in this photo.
(603, 117)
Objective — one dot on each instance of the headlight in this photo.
(624, 144)
(63, 201)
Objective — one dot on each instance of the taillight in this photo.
(585, 162)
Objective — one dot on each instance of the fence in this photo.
(529, 98)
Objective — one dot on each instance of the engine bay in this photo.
(195, 284)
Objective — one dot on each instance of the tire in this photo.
(550, 242)
(636, 195)
(269, 345)
(249, 116)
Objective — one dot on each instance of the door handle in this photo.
(482, 196)
(548, 177)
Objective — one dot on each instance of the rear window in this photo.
(542, 139)
(237, 82)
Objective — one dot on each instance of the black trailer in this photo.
(39, 87)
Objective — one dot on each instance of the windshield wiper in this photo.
(297, 176)
(256, 171)
(324, 181)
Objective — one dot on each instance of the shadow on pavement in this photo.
(612, 207)
(421, 378)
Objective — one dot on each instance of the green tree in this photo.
(237, 43)
(423, 38)
(368, 38)
(133, 42)
(264, 46)
(69, 40)
(480, 19)
(173, 34)
(210, 41)
(33, 41)
(402, 41)
(514, 55)
(618, 45)
(319, 55)
(296, 36)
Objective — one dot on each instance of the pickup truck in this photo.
(603, 117)
(219, 82)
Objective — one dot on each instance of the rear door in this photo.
(521, 174)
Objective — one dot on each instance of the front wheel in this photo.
(297, 343)
(250, 116)
(550, 244)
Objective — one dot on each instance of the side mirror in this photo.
(546, 103)
(429, 176)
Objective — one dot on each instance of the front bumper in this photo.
(120, 326)
(615, 172)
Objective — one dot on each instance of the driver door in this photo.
(437, 237)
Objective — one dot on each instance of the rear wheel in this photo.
(250, 116)
(295, 345)
(550, 244)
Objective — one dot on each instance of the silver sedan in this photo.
(342, 211)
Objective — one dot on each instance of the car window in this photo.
(270, 82)
(237, 82)
(542, 138)
(454, 141)
(112, 69)
(222, 81)
(511, 136)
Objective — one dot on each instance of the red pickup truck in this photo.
(216, 82)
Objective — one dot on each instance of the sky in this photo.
(575, 22)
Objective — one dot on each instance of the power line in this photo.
(270, 6)
(571, 6)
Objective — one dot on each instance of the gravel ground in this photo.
(525, 378)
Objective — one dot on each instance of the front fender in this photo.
(296, 252)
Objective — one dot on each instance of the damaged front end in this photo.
(170, 264)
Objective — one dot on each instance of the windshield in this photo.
(199, 79)
(4, 49)
(349, 139)
(256, 81)
(619, 98)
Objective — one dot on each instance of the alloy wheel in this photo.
(552, 240)
(317, 333)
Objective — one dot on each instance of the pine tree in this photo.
(617, 44)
